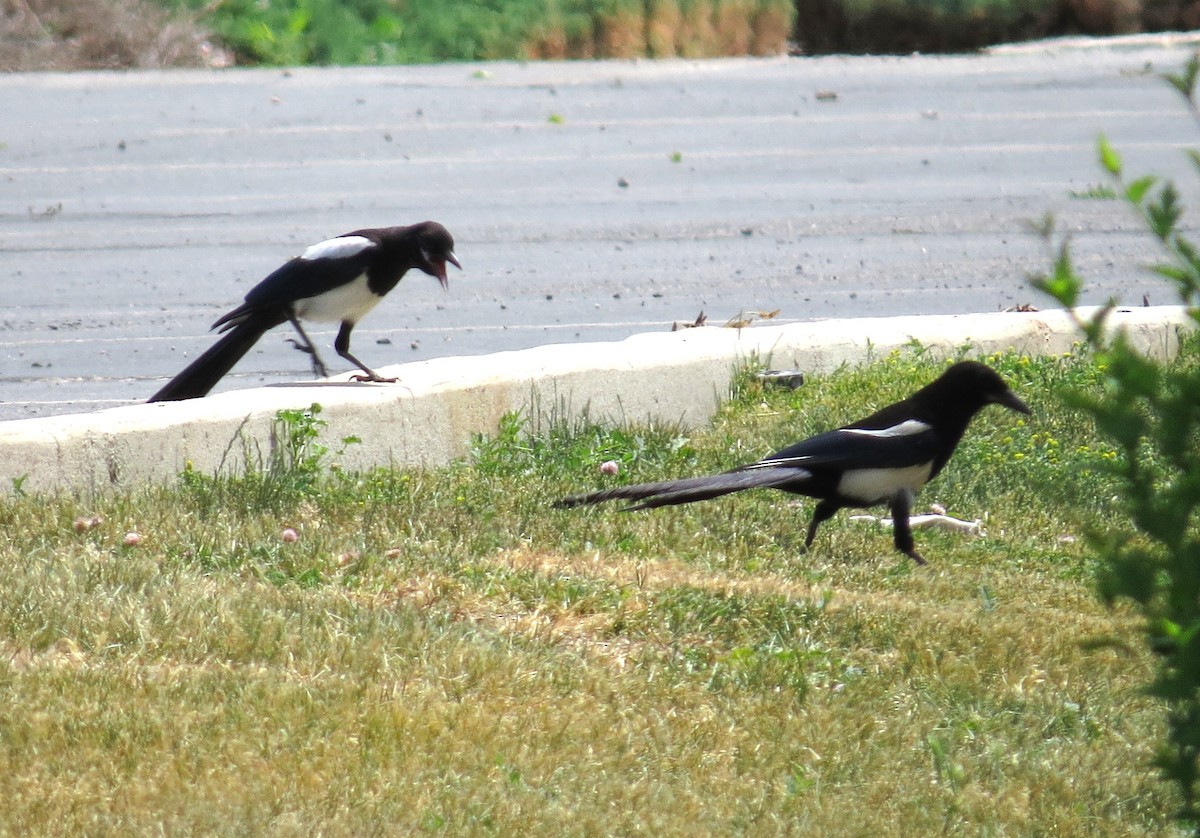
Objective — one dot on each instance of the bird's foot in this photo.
(379, 379)
(915, 556)
(297, 345)
(318, 366)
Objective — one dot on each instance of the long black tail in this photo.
(202, 374)
(691, 489)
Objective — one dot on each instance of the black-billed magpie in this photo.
(338, 280)
(884, 458)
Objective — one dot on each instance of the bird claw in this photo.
(297, 345)
(318, 366)
(378, 379)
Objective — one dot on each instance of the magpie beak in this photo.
(335, 281)
(884, 458)
(435, 265)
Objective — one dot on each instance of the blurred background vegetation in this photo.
(80, 34)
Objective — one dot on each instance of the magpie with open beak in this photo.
(882, 459)
(334, 281)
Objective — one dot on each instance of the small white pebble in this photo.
(133, 539)
(289, 536)
(609, 467)
(937, 509)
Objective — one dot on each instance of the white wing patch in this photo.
(875, 485)
(347, 302)
(339, 248)
(909, 427)
(789, 462)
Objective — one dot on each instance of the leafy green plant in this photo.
(1150, 410)
(292, 32)
(293, 467)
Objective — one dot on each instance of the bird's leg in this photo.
(824, 511)
(307, 347)
(318, 367)
(901, 506)
(342, 345)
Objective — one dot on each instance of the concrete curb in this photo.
(429, 419)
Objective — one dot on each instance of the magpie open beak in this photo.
(439, 269)
(1009, 399)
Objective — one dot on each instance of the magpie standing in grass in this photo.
(338, 280)
(884, 458)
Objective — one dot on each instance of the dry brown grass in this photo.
(669, 28)
(772, 27)
(698, 35)
(99, 34)
(664, 20)
(734, 26)
(457, 702)
(621, 33)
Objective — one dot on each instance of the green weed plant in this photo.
(1149, 411)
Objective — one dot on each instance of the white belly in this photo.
(875, 485)
(348, 302)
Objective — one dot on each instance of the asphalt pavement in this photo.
(589, 200)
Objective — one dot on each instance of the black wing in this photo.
(300, 278)
(908, 443)
(303, 278)
(690, 489)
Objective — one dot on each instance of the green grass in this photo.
(440, 652)
(287, 32)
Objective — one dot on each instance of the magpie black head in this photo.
(972, 386)
(435, 247)
(949, 402)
